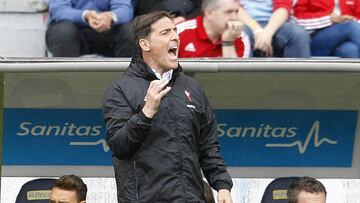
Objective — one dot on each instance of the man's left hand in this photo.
(224, 196)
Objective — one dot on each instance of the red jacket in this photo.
(350, 7)
(313, 14)
(195, 42)
(282, 4)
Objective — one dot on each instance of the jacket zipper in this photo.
(181, 163)
(136, 185)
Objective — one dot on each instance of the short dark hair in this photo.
(72, 183)
(141, 25)
(307, 184)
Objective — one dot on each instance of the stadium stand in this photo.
(36, 191)
(23, 22)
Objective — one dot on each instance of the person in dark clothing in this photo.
(182, 9)
(160, 126)
(81, 27)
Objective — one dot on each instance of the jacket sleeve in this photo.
(243, 46)
(61, 10)
(126, 130)
(286, 4)
(350, 8)
(123, 9)
(356, 10)
(313, 14)
(211, 162)
(313, 9)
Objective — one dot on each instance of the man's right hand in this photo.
(233, 30)
(156, 91)
(100, 22)
(90, 16)
(224, 196)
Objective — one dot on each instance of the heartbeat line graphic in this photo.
(101, 141)
(314, 132)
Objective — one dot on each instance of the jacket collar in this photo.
(139, 68)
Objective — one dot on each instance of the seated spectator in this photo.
(218, 33)
(306, 190)
(69, 189)
(329, 37)
(182, 9)
(80, 27)
(269, 30)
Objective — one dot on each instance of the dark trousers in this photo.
(66, 39)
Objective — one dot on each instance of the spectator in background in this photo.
(80, 27)
(269, 30)
(306, 190)
(329, 36)
(69, 189)
(218, 33)
(182, 9)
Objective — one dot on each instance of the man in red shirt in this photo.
(218, 33)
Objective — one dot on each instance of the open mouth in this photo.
(173, 50)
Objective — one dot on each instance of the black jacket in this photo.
(160, 159)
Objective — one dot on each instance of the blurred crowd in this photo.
(210, 28)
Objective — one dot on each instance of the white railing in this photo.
(196, 65)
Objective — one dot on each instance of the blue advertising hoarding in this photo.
(255, 138)
(55, 137)
(302, 138)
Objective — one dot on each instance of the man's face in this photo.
(163, 44)
(306, 197)
(225, 11)
(58, 195)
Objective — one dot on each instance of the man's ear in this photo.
(144, 44)
(207, 12)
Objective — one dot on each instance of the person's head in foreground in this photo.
(306, 190)
(156, 36)
(68, 189)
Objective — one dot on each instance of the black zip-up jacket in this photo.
(160, 159)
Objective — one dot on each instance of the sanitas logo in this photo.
(268, 131)
(264, 130)
(67, 129)
(313, 133)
